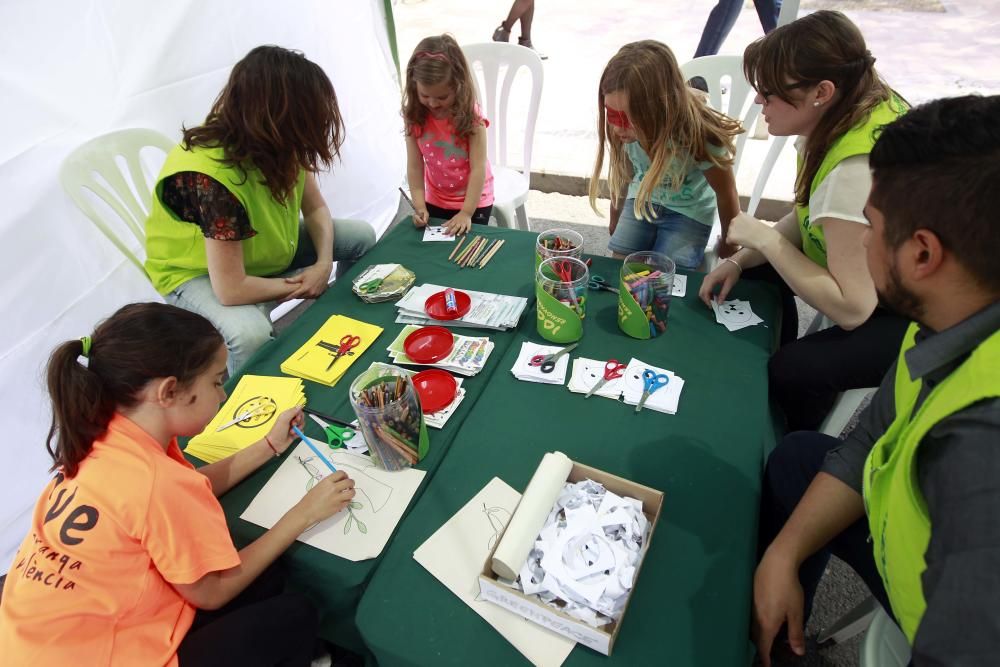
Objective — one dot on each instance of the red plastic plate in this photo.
(435, 306)
(436, 389)
(428, 344)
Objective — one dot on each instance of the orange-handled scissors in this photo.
(346, 343)
(612, 370)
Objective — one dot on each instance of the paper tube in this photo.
(528, 519)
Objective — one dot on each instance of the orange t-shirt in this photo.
(91, 583)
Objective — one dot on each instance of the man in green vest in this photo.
(911, 499)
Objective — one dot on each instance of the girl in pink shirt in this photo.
(447, 169)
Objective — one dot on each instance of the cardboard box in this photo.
(600, 639)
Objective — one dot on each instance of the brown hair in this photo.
(139, 343)
(946, 147)
(673, 124)
(277, 113)
(434, 61)
(822, 46)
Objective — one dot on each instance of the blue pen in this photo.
(313, 447)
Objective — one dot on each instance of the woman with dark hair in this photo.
(224, 238)
(129, 560)
(816, 79)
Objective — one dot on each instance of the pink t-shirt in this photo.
(446, 164)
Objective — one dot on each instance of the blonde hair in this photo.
(822, 46)
(674, 126)
(437, 60)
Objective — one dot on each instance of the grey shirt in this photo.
(958, 469)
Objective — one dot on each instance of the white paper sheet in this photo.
(437, 233)
(356, 533)
(455, 555)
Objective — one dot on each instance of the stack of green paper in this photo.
(247, 416)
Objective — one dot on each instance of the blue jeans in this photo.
(677, 236)
(245, 328)
(723, 17)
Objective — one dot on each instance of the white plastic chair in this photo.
(500, 64)
(127, 191)
(885, 645)
(727, 72)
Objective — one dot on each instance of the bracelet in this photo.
(268, 441)
(730, 259)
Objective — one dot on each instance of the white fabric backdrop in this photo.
(73, 69)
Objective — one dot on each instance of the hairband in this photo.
(86, 346)
(430, 54)
(618, 118)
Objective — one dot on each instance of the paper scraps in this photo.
(735, 314)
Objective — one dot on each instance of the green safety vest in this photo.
(856, 141)
(897, 511)
(175, 249)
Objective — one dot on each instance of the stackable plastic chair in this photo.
(500, 64)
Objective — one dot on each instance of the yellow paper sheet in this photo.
(312, 361)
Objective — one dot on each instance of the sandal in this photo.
(528, 45)
(501, 34)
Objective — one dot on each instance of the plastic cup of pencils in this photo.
(558, 243)
(647, 280)
(561, 298)
(389, 416)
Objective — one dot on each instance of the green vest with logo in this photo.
(856, 141)
(175, 249)
(897, 512)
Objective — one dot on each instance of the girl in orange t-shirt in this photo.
(128, 541)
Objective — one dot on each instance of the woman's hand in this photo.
(723, 276)
(312, 281)
(749, 232)
(460, 224)
(330, 495)
(281, 434)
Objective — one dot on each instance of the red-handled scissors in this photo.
(346, 343)
(612, 371)
(548, 361)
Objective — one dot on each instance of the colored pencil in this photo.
(455, 249)
(313, 447)
(462, 255)
(464, 261)
(494, 250)
(479, 251)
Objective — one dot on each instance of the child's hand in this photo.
(460, 224)
(723, 276)
(330, 495)
(281, 434)
(420, 217)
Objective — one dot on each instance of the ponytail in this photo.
(139, 343)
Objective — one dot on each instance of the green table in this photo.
(334, 583)
(692, 600)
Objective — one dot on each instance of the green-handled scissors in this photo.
(370, 286)
(336, 436)
(598, 282)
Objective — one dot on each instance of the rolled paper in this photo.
(528, 519)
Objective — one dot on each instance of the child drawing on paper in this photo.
(374, 492)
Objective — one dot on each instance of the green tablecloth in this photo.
(692, 600)
(336, 584)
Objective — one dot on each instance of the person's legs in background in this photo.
(790, 469)
(632, 234)
(805, 376)
(720, 21)
(244, 328)
(767, 12)
(517, 10)
(680, 238)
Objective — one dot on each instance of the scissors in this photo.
(346, 343)
(336, 436)
(370, 286)
(598, 282)
(564, 271)
(650, 383)
(612, 370)
(266, 409)
(548, 361)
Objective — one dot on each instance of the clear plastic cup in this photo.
(389, 415)
(565, 280)
(558, 243)
(649, 278)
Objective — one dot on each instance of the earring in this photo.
(816, 104)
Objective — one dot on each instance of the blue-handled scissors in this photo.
(598, 282)
(613, 369)
(548, 361)
(651, 382)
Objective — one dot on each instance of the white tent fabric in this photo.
(71, 70)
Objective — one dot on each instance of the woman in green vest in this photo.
(816, 79)
(224, 238)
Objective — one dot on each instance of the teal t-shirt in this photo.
(695, 198)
